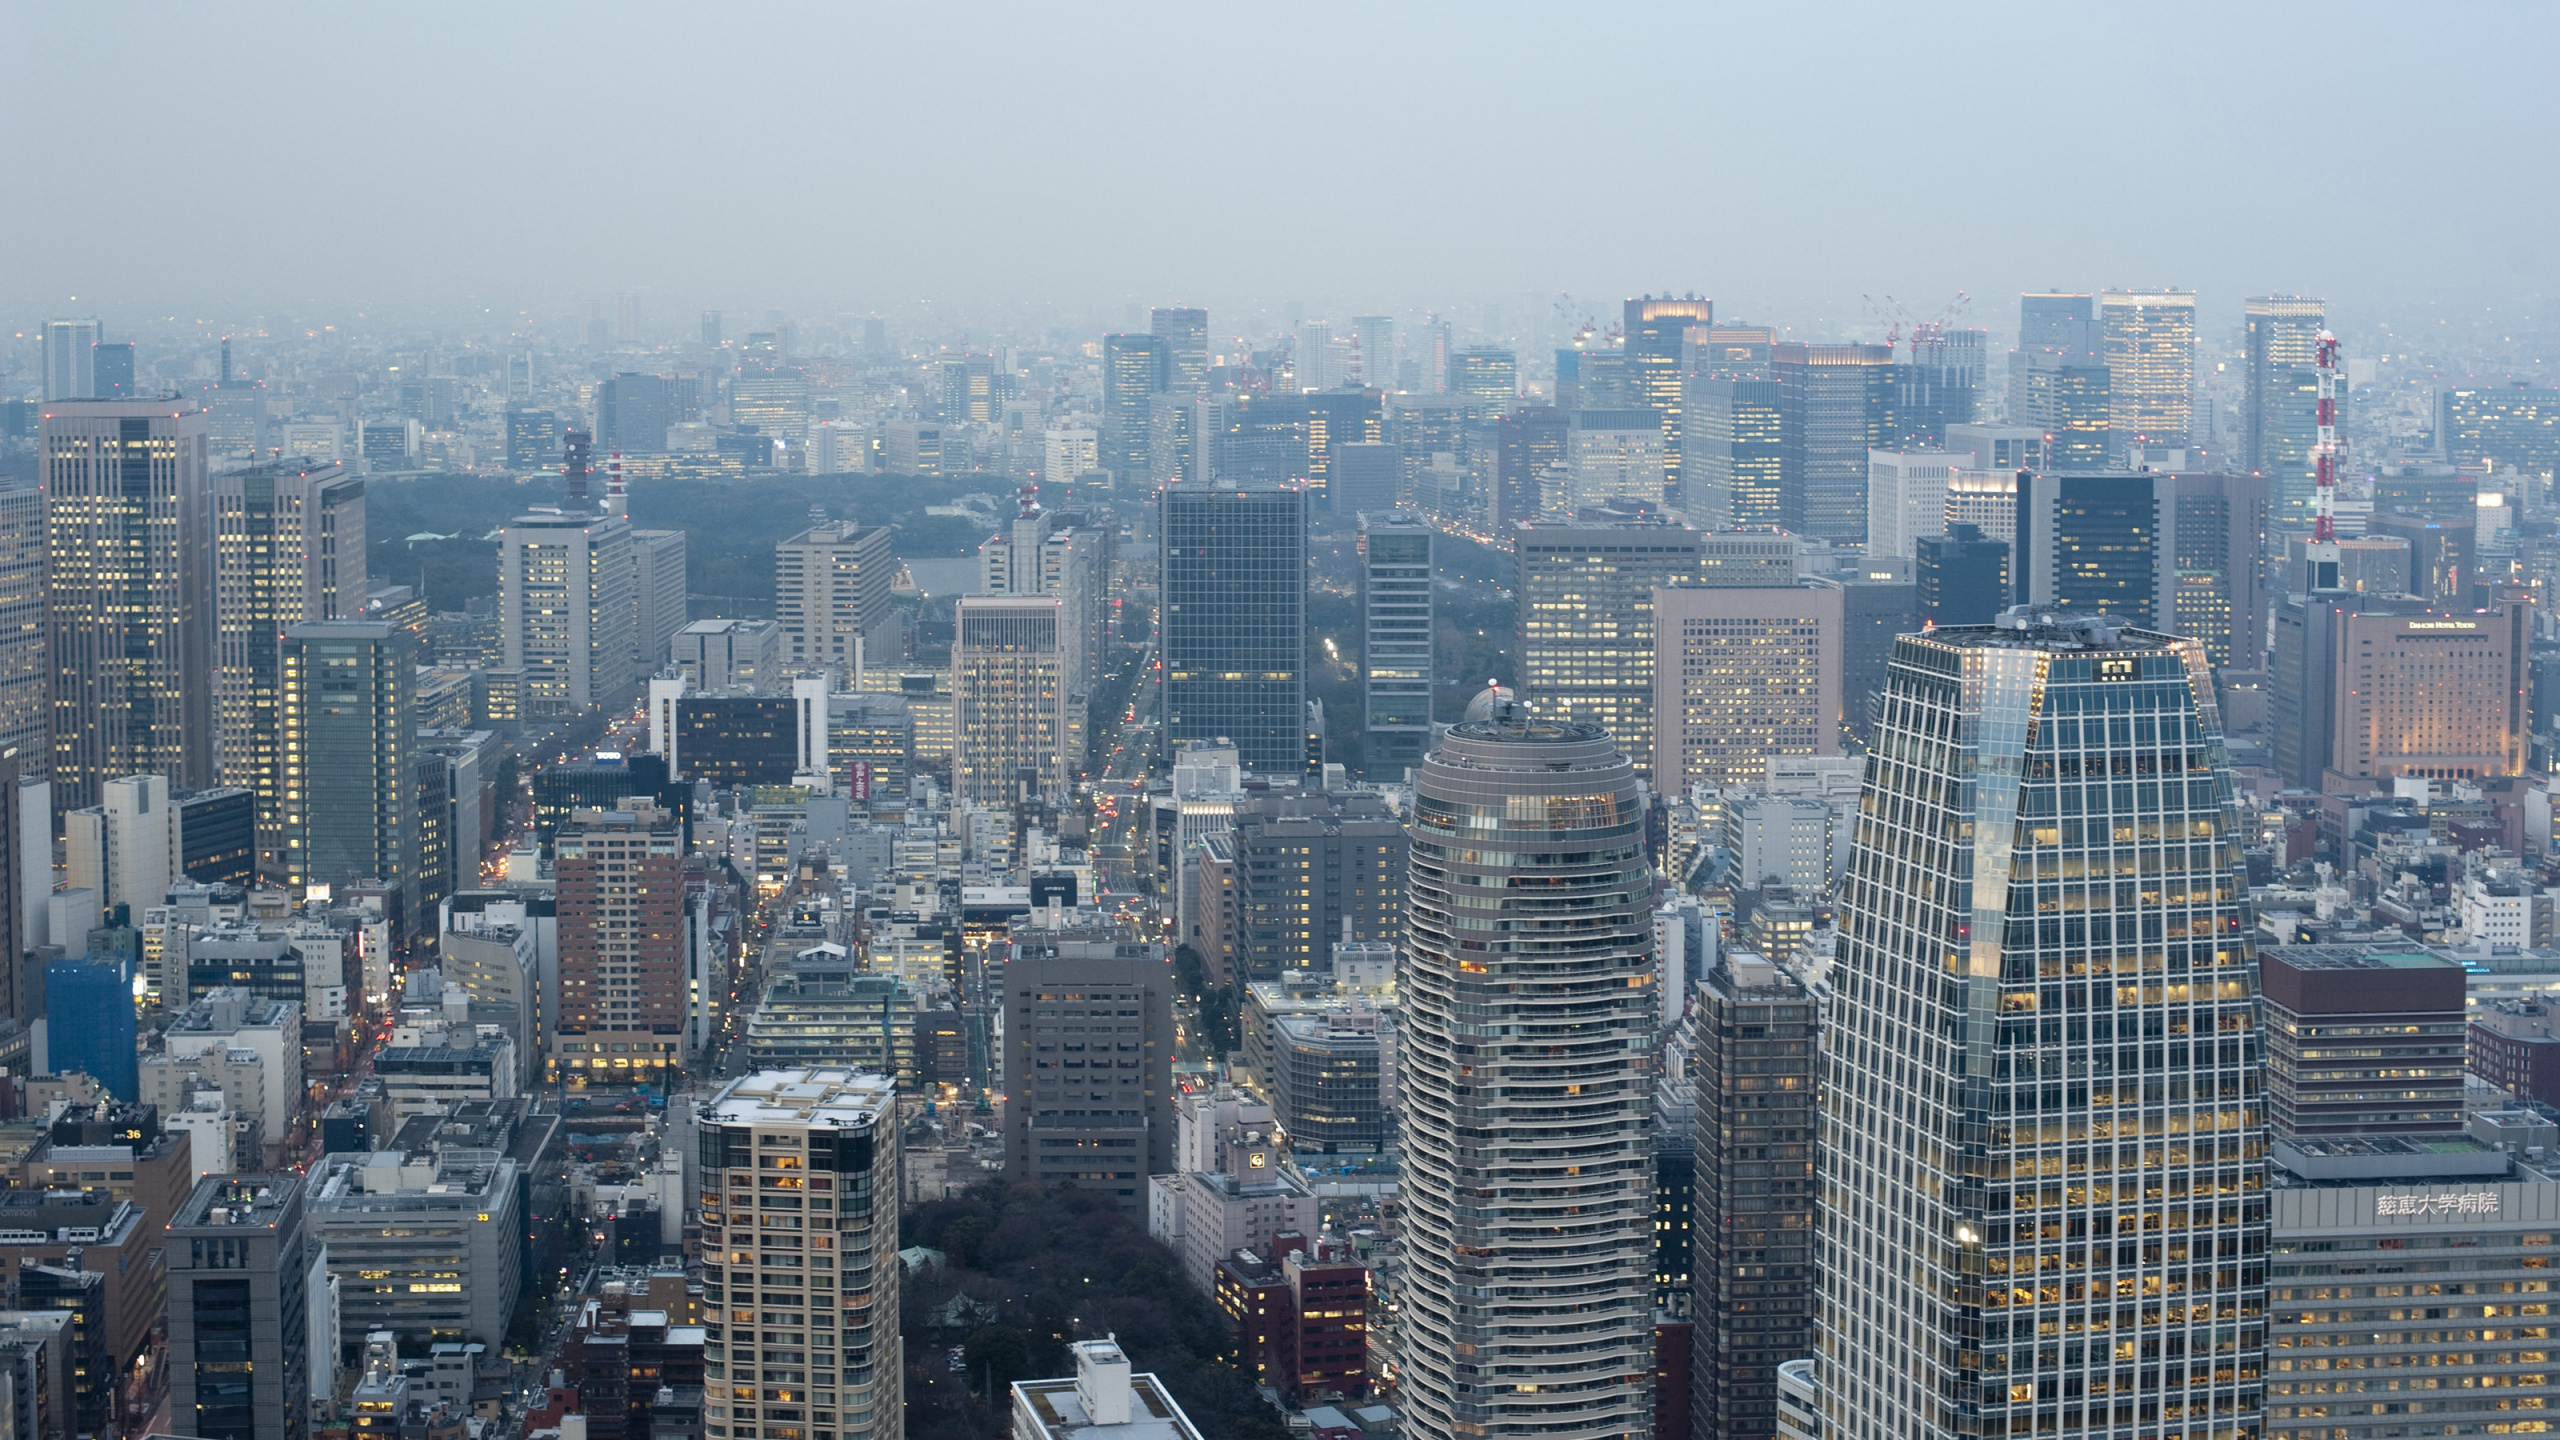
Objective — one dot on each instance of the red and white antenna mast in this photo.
(2323, 554)
(617, 500)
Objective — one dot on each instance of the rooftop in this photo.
(829, 1097)
(239, 1199)
(2026, 628)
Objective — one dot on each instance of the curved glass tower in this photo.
(1528, 1026)
(2043, 1161)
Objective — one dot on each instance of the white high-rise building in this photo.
(71, 359)
(1907, 498)
(2044, 1172)
(1068, 451)
(1611, 454)
(1527, 1305)
(819, 1299)
(657, 596)
(565, 610)
(1009, 698)
(831, 594)
(125, 847)
(1376, 335)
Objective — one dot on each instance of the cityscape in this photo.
(846, 725)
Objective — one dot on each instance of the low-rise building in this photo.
(423, 1245)
(249, 1047)
(1101, 1401)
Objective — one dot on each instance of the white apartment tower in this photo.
(565, 610)
(1009, 698)
(831, 594)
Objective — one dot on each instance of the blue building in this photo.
(89, 1022)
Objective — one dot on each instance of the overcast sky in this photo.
(1782, 158)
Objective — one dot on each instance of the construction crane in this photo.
(1933, 329)
(2322, 557)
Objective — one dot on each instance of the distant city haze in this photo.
(451, 159)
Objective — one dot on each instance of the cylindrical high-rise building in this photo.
(1528, 1025)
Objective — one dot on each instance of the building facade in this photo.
(1396, 669)
(565, 611)
(347, 790)
(831, 596)
(244, 1277)
(1234, 574)
(1742, 675)
(1585, 594)
(1073, 1116)
(1010, 703)
(622, 947)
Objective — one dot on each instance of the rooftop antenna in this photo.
(2323, 554)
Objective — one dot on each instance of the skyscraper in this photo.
(129, 584)
(346, 788)
(2096, 542)
(1834, 405)
(2069, 399)
(657, 597)
(1734, 457)
(2277, 434)
(2515, 426)
(113, 371)
(839, 1131)
(1743, 675)
(2044, 1150)
(1375, 335)
(243, 1277)
(1099, 1130)
(70, 360)
(2148, 341)
(1528, 1164)
(26, 688)
(1395, 662)
(831, 595)
(1656, 332)
(633, 412)
(565, 610)
(2058, 320)
(1963, 577)
(1184, 333)
(622, 946)
(1234, 568)
(1528, 440)
(1486, 374)
(1585, 595)
(1135, 368)
(288, 546)
(1752, 1272)
(1009, 700)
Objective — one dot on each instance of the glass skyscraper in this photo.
(2281, 411)
(1185, 333)
(1655, 336)
(1395, 668)
(2044, 1172)
(1134, 369)
(2148, 340)
(1835, 403)
(347, 799)
(1585, 597)
(1528, 1029)
(1234, 571)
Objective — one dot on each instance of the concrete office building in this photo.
(1585, 594)
(1733, 457)
(1184, 330)
(1396, 662)
(26, 686)
(248, 1294)
(1752, 1285)
(348, 797)
(1834, 405)
(423, 1244)
(2069, 398)
(1311, 871)
(657, 597)
(728, 654)
(824, 1295)
(70, 360)
(1011, 709)
(1135, 368)
(831, 598)
(1234, 572)
(565, 611)
(1962, 577)
(1657, 352)
(1938, 1127)
(1534, 1316)
(2362, 1043)
(128, 593)
(1906, 498)
(126, 847)
(1071, 999)
(1742, 675)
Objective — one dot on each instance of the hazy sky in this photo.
(1779, 157)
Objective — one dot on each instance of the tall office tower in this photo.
(1531, 438)
(2064, 322)
(1335, 419)
(565, 610)
(1234, 570)
(2443, 554)
(710, 333)
(26, 710)
(533, 439)
(71, 360)
(1395, 663)
(1312, 871)
(1878, 604)
(831, 595)
(2099, 542)
(2221, 591)
(128, 586)
(1177, 425)
(1754, 1068)
(657, 597)
(1366, 475)
(1313, 352)
(1009, 701)
(1433, 351)
(633, 412)
(1488, 375)
(2005, 448)
(1962, 576)
(1135, 369)
(1956, 364)
(125, 848)
(288, 546)
(770, 395)
(2044, 1166)
(1184, 333)
(1070, 1124)
(1656, 349)
(113, 371)
(838, 1130)
(1834, 405)
(1586, 635)
(2361, 1042)
(1375, 336)
(2432, 693)
(1729, 352)
(622, 945)
(2148, 340)
(968, 390)
(2282, 338)
(1743, 675)
(347, 795)
(2070, 402)
(1906, 498)
(2516, 427)
(1525, 1042)
(1735, 460)
(244, 1278)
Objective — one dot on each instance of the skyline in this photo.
(1399, 174)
